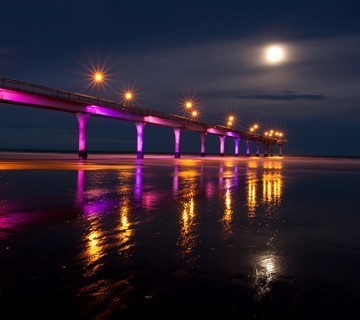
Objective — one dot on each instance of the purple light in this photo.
(80, 191)
(247, 147)
(140, 138)
(83, 119)
(222, 144)
(176, 180)
(138, 182)
(237, 140)
(203, 140)
(177, 142)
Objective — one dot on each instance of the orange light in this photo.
(128, 95)
(98, 77)
(271, 131)
(252, 129)
(230, 123)
(194, 113)
(231, 118)
(188, 104)
(256, 126)
(266, 133)
(281, 134)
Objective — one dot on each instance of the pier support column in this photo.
(266, 150)
(177, 132)
(271, 150)
(237, 140)
(83, 119)
(280, 150)
(247, 148)
(203, 140)
(257, 149)
(140, 139)
(222, 145)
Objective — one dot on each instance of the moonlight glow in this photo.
(275, 54)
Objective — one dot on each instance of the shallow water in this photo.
(113, 237)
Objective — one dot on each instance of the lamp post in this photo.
(128, 97)
(98, 78)
(254, 127)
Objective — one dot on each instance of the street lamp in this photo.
(194, 114)
(188, 104)
(254, 128)
(98, 78)
(230, 121)
(128, 96)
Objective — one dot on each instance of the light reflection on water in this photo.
(116, 204)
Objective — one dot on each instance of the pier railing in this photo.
(31, 88)
(26, 87)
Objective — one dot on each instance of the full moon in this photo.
(275, 54)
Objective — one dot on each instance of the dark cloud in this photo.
(286, 95)
(212, 49)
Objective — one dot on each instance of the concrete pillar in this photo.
(222, 145)
(140, 139)
(83, 119)
(271, 150)
(203, 140)
(280, 150)
(237, 140)
(257, 149)
(177, 132)
(266, 149)
(247, 148)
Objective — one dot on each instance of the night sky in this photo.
(167, 49)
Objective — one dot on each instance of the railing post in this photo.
(203, 141)
(266, 149)
(177, 132)
(237, 141)
(83, 119)
(248, 148)
(140, 139)
(257, 149)
(222, 145)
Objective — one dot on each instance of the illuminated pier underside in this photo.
(26, 94)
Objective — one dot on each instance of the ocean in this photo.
(115, 237)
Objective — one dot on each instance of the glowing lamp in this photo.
(98, 77)
(128, 95)
(188, 105)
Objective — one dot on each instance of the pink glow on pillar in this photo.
(237, 140)
(203, 140)
(177, 142)
(222, 145)
(247, 148)
(83, 119)
(140, 139)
